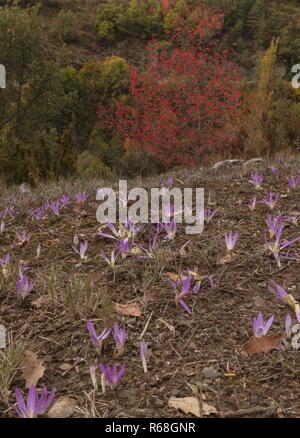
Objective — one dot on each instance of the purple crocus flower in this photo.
(291, 255)
(38, 213)
(231, 240)
(274, 224)
(170, 228)
(276, 247)
(124, 246)
(270, 201)
(256, 179)
(185, 284)
(293, 182)
(131, 229)
(119, 335)
(81, 198)
(97, 340)
(54, 206)
(23, 237)
(259, 328)
(170, 182)
(150, 252)
(82, 250)
(112, 228)
(273, 168)
(252, 203)
(4, 264)
(24, 286)
(111, 374)
(282, 295)
(144, 353)
(35, 405)
(209, 214)
(7, 211)
(112, 260)
(64, 200)
(278, 291)
(127, 230)
(288, 325)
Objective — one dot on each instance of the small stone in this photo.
(269, 413)
(244, 354)
(158, 403)
(230, 341)
(62, 408)
(210, 373)
(259, 301)
(253, 161)
(253, 399)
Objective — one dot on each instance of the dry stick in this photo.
(146, 326)
(188, 341)
(241, 412)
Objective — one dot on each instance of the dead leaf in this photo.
(65, 367)
(54, 241)
(169, 326)
(155, 295)
(62, 408)
(33, 368)
(226, 259)
(79, 203)
(131, 309)
(189, 405)
(136, 251)
(263, 344)
(208, 409)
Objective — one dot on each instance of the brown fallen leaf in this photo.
(65, 367)
(131, 309)
(54, 241)
(155, 295)
(79, 203)
(33, 368)
(137, 251)
(62, 408)
(169, 326)
(226, 259)
(208, 409)
(190, 405)
(263, 344)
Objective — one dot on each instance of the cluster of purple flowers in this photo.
(111, 374)
(36, 405)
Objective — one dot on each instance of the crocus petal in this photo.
(31, 400)
(268, 324)
(21, 406)
(185, 306)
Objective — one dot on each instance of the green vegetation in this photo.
(63, 59)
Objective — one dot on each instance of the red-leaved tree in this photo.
(180, 109)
